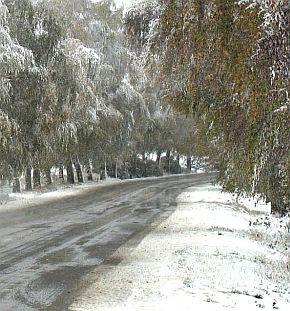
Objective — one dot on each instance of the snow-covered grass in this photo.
(211, 193)
(203, 257)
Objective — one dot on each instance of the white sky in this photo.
(125, 3)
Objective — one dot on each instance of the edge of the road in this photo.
(231, 230)
(122, 253)
(80, 190)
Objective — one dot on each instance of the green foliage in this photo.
(138, 168)
(227, 63)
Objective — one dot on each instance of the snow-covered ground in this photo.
(58, 191)
(12, 201)
(210, 254)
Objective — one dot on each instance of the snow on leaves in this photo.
(13, 57)
(229, 63)
(65, 82)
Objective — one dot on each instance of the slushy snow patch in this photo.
(203, 257)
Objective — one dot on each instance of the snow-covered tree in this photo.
(71, 91)
(226, 62)
(14, 58)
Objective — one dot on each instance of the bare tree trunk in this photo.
(106, 170)
(158, 159)
(16, 185)
(188, 163)
(79, 170)
(48, 176)
(36, 178)
(60, 173)
(90, 171)
(28, 179)
(168, 160)
(70, 173)
(116, 170)
(103, 175)
(178, 162)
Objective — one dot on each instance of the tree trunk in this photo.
(188, 164)
(106, 170)
(103, 175)
(178, 162)
(36, 178)
(158, 159)
(16, 185)
(60, 173)
(70, 173)
(90, 171)
(48, 176)
(28, 179)
(168, 160)
(116, 170)
(79, 170)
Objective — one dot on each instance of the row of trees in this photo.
(227, 63)
(72, 94)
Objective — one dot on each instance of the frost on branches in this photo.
(227, 62)
(13, 57)
(272, 61)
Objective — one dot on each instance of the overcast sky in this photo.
(126, 3)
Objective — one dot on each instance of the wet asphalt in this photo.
(45, 250)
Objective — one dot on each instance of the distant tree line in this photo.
(227, 63)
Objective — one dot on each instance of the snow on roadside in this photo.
(13, 201)
(203, 257)
(26, 199)
(209, 193)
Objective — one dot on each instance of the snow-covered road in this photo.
(205, 256)
(49, 247)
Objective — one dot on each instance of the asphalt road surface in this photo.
(46, 249)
